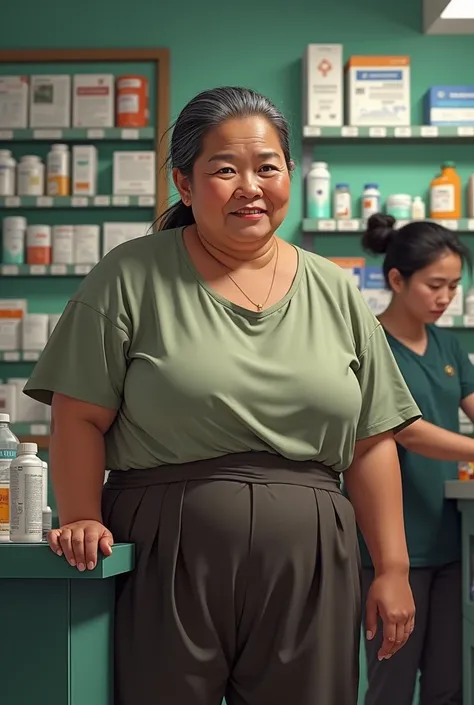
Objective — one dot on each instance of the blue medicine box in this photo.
(450, 106)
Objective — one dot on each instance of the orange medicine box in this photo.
(378, 91)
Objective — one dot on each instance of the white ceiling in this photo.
(448, 16)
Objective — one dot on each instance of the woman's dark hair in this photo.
(412, 247)
(204, 112)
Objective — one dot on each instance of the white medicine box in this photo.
(117, 233)
(134, 173)
(93, 100)
(84, 170)
(378, 91)
(13, 102)
(50, 101)
(323, 85)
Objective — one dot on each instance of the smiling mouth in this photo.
(249, 212)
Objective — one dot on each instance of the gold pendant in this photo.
(259, 307)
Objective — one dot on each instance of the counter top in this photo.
(36, 560)
(459, 489)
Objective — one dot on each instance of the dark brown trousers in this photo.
(246, 584)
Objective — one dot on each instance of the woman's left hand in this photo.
(390, 598)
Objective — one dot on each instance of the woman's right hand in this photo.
(79, 542)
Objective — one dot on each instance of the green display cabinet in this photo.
(463, 492)
(57, 626)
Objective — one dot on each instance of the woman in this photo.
(422, 267)
(226, 378)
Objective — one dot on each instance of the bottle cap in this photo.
(27, 448)
(4, 418)
(371, 186)
(342, 185)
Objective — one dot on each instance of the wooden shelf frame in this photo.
(161, 61)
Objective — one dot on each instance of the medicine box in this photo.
(117, 233)
(50, 101)
(134, 173)
(84, 170)
(323, 85)
(8, 401)
(13, 102)
(450, 105)
(12, 312)
(374, 290)
(378, 91)
(93, 100)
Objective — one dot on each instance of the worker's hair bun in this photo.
(380, 231)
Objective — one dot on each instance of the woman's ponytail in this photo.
(176, 216)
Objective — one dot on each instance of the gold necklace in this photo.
(259, 307)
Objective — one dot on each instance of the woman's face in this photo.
(428, 293)
(240, 187)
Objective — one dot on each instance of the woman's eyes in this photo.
(230, 170)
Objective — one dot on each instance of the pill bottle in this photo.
(13, 239)
(318, 191)
(445, 194)
(370, 200)
(399, 206)
(7, 173)
(26, 495)
(58, 170)
(342, 207)
(132, 101)
(38, 244)
(30, 173)
(8, 449)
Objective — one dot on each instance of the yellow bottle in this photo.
(445, 193)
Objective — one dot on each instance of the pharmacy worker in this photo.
(422, 266)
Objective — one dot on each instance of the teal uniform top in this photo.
(438, 380)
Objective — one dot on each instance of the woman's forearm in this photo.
(434, 442)
(77, 468)
(373, 482)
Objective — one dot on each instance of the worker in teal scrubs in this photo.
(422, 267)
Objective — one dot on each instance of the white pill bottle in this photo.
(26, 495)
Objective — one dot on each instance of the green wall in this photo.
(261, 45)
(257, 44)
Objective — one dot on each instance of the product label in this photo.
(370, 205)
(6, 456)
(443, 198)
(342, 205)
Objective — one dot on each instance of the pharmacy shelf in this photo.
(110, 134)
(19, 356)
(45, 270)
(357, 225)
(32, 433)
(447, 321)
(77, 201)
(422, 132)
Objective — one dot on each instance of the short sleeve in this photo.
(85, 358)
(387, 403)
(466, 371)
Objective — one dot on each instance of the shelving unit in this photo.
(106, 134)
(45, 270)
(103, 201)
(400, 159)
(357, 225)
(414, 132)
(48, 287)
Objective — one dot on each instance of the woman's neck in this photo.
(252, 256)
(400, 324)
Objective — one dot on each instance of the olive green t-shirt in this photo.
(439, 380)
(193, 376)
